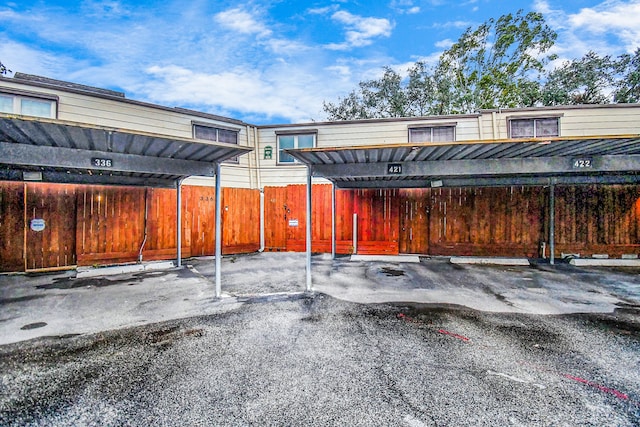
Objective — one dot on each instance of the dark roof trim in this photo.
(541, 115)
(432, 125)
(373, 121)
(215, 125)
(30, 94)
(558, 107)
(84, 88)
(120, 99)
(297, 132)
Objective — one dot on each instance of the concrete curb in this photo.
(386, 258)
(603, 262)
(83, 272)
(489, 260)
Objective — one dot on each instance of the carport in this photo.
(528, 162)
(66, 152)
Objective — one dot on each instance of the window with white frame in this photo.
(432, 134)
(28, 106)
(212, 133)
(292, 141)
(534, 127)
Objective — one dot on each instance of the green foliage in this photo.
(628, 86)
(492, 66)
(583, 81)
(500, 64)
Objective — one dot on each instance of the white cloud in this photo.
(444, 44)
(452, 24)
(270, 93)
(240, 20)
(610, 28)
(360, 31)
(617, 17)
(405, 6)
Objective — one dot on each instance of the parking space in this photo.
(377, 343)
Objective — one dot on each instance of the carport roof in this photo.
(571, 160)
(71, 152)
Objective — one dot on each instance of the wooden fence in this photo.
(97, 225)
(44, 226)
(505, 221)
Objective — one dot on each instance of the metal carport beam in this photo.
(82, 177)
(448, 182)
(59, 157)
(480, 167)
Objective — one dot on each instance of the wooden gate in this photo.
(377, 217)
(37, 226)
(415, 207)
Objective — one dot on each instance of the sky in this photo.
(271, 61)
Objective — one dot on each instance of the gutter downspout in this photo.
(259, 184)
(146, 215)
(261, 221)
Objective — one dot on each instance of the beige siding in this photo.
(128, 116)
(254, 171)
(585, 121)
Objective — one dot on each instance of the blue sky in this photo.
(271, 61)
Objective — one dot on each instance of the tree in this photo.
(384, 97)
(496, 65)
(588, 80)
(628, 86)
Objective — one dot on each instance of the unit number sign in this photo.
(101, 163)
(582, 163)
(394, 168)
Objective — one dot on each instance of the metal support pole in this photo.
(179, 222)
(355, 233)
(218, 233)
(552, 222)
(309, 188)
(333, 221)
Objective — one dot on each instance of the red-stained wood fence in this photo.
(377, 219)
(504, 221)
(86, 225)
(97, 225)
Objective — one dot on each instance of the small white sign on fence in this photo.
(37, 224)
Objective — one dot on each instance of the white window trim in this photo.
(431, 127)
(235, 160)
(534, 118)
(295, 134)
(18, 96)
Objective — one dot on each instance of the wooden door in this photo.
(414, 221)
(50, 226)
(275, 217)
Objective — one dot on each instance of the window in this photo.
(534, 128)
(432, 134)
(216, 134)
(27, 106)
(288, 141)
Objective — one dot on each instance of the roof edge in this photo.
(47, 83)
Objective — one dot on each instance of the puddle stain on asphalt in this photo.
(19, 299)
(392, 272)
(35, 325)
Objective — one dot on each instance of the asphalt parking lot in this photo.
(375, 344)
